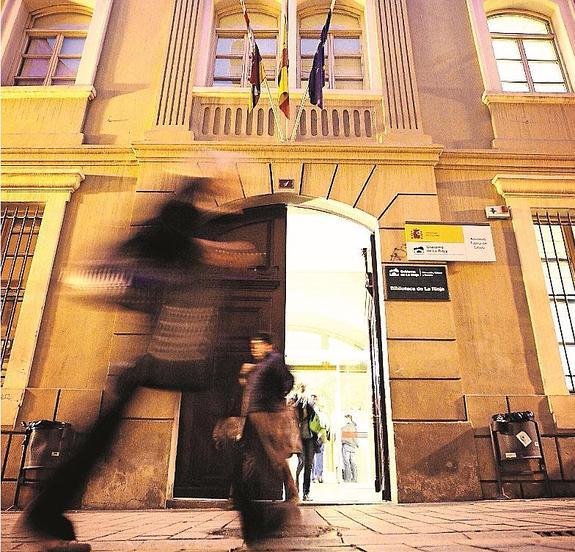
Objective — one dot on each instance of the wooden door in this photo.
(256, 302)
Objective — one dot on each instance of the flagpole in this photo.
(252, 40)
(280, 131)
(306, 93)
(299, 113)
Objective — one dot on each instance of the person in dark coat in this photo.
(306, 412)
(265, 446)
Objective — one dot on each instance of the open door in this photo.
(382, 481)
(257, 302)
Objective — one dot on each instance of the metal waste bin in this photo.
(515, 437)
(49, 444)
(46, 445)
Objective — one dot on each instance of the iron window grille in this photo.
(555, 232)
(20, 228)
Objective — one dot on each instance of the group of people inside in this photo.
(315, 434)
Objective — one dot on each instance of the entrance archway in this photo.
(353, 344)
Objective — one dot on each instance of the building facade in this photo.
(434, 110)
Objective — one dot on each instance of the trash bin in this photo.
(49, 444)
(46, 445)
(517, 435)
(516, 443)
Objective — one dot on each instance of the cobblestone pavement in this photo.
(537, 525)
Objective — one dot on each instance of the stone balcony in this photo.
(219, 117)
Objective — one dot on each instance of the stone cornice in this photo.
(43, 92)
(324, 152)
(527, 98)
(160, 153)
(516, 185)
(54, 180)
(82, 155)
(146, 152)
(494, 160)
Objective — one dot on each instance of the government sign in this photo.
(430, 241)
(427, 283)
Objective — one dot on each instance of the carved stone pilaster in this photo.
(175, 95)
(401, 101)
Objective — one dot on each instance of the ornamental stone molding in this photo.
(41, 182)
(511, 185)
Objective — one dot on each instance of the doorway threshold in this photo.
(340, 502)
(224, 504)
(199, 503)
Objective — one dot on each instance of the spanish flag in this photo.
(283, 90)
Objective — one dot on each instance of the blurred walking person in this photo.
(168, 271)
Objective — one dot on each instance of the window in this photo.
(20, 227)
(526, 54)
(232, 58)
(344, 59)
(555, 232)
(54, 45)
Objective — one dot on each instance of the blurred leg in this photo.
(45, 514)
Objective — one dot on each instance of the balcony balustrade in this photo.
(223, 118)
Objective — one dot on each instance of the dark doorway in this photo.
(257, 302)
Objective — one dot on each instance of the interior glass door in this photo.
(328, 343)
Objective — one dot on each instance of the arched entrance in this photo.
(331, 353)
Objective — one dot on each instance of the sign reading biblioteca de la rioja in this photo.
(421, 282)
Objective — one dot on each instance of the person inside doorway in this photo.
(349, 446)
(304, 405)
(320, 426)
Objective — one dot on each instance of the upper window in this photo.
(344, 58)
(53, 49)
(526, 54)
(232, 60)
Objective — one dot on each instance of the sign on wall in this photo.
(427, 283)
(429, 241)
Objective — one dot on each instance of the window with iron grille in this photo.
(20, 227)
(555, 231)
(53, 50)
(526, 53)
